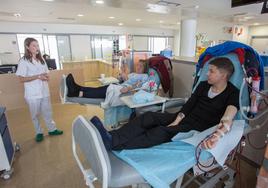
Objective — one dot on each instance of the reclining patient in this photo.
(215, 101)
(110, 92)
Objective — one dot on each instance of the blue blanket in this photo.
(163, 164)
(116, 114)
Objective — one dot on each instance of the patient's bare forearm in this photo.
(224, 126)
(230, 112)
(178, 119)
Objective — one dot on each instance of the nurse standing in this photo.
(33, 72)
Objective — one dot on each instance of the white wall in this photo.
(80, 45)
(17, 27)
(140, 43)
(244, 36)
(261, 43)
(213, 29)
(176, 43)
(258, 30)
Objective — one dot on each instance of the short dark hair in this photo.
(224, 64)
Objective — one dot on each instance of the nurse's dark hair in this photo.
(224, 64)
(27, 54)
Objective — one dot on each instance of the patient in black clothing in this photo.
(214, 102)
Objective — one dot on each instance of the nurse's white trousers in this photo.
(38, 107)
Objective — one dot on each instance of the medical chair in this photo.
(106, 168)
(75, 100)
(236, 79)
(114, 115)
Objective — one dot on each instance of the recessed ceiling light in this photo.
(111, 17)
(157, 8)
(161, 21)
(196, 6)
(99, 2)
(17, 15)
(178, 23)
(80, 15)
(138, 19)
(256, 24)
(48, 0)
(120, 23)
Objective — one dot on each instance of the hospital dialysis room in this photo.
(132, 93)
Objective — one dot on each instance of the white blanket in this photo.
(225, 145)
(112, 96)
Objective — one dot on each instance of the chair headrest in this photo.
(236, 78)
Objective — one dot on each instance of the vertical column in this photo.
(187, 37)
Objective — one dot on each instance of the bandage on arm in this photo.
(223, 127)
(227, 120)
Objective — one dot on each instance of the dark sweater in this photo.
(202, 112)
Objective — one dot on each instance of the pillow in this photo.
(142, 97)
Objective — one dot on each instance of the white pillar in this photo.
(188, 41)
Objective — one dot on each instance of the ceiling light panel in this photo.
(158, 8)
(168, 3)
(99, 2)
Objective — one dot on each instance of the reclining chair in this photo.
(114, 115)
(105, 166)
(94, 156)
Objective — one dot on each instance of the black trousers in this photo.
(147, 130)
(94, 92)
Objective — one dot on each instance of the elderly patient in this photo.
(213, 102)
(110, 92)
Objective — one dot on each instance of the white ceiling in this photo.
(126, 12)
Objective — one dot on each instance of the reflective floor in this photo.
(50, 164)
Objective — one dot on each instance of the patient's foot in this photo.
(105, 135)
(73, 88)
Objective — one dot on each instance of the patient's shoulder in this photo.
(204, 84)
(232, 87)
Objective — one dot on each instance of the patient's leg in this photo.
(152, 137)
(140, 126)
(105, 135)
(75, 90)
(91, 92)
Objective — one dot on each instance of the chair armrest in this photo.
(170, 103)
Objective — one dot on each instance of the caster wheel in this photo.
(17, 147)
(7, 174)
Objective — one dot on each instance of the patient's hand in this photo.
(211, 142)
(124, 90)
(138, 84)
(177, 120)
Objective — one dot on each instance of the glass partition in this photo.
(107, 48)
(64, 50)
